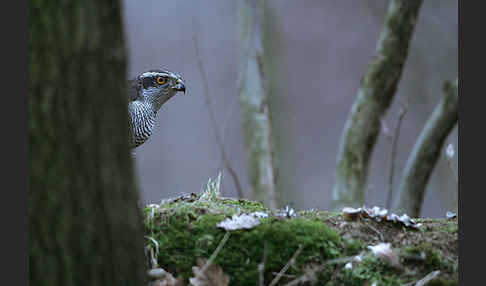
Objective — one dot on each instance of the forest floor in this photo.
(204, 239)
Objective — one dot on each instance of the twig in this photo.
(385, 129)
(310, 274)
(219, 140)
(424, 280)
(286, 267)
(426, 152)
(376, 231)
(456, 177)
(284, 275)
(261, 266)
(298, 280)
(224, 128)
(401, 115)
(215, 253)
(427, 278)
(374, 96)
(230, 113)
(453, 171)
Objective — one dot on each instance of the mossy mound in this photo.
(184, 229)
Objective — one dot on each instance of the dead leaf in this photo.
(212, 276)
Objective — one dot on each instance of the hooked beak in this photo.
(180, 87)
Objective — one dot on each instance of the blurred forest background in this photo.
(317, 54)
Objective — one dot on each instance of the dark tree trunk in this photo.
(84, 223)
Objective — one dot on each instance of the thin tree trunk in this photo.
(426, 152)
(84, 224)
(374, 97)
(254, 104)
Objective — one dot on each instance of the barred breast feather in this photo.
(142, 122)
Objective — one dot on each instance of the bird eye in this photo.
(161, 80)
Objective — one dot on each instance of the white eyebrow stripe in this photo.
(162, 73)
(149, 74)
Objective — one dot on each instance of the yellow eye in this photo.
(161, 80)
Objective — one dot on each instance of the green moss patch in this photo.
(184, 229)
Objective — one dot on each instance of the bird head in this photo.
(158, 86)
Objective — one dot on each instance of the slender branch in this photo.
(454, 174)
(373, 98)
(401, 115)
(385, 129)
(453, 171)
(298, 280)
(224, 128)
(310, 274)
(215, 253)
(380, 235)
(261, 266)
(286, 267)
(229, 115)
(425, 280)
(426, 152)
(214, 123)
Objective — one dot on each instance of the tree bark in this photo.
(375, 95)
(426, 152)
(84, 223)
(254, 104)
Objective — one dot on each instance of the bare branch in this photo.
(453, 170)
(426, 152)
(425, 280)
(310, 273)
(385, 129)
(261, 266)
(401, 115)
(214, 123)
(256, 123)
(450, 164)
(286, 267)
(214, 254)
(380, 235)
(373, 98)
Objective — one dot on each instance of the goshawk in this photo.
(147, 93)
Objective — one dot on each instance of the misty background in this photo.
(319, 50)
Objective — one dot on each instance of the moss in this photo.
(425, 259)
(249, 206)
(185, 229)
(183, 237)
(371, 269)
(442, 282)
(449, 227)
(423, 255)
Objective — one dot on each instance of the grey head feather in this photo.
(136, 84)
(134, 89)
(146, 94)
